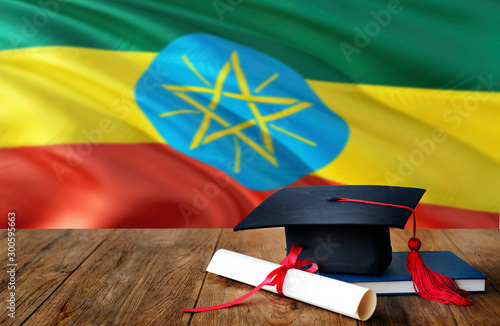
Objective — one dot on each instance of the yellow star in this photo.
(261, 121)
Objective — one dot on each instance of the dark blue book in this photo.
(397, 280)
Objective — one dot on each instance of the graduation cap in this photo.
(341, 237)
(345, 229)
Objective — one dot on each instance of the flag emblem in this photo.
(240, 111)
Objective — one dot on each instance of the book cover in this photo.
(397, 280)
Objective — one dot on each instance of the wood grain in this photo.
(266, 308)
(136, 277)
(263, 308)
(413, 310)
(45, 259)
(143, 277)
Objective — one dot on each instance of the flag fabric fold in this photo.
(189, 114)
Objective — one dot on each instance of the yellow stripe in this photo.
(394, 139)
(58, 95)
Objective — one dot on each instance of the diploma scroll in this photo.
(340, 297)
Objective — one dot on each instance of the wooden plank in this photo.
(478, 248)
(136, 277)
(263, 308)
(268, 308)
(145, 276)
(44, 258)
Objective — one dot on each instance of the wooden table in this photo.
(142, 277)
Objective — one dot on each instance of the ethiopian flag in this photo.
(139, 114)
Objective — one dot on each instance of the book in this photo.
(396, 279)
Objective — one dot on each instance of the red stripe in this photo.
(146, 186)
(431, 216)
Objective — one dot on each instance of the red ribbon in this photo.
(381, 204)
(275, 278)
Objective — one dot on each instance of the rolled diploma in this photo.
(341, 297)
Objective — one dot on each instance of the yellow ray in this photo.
(261, 99)
(197, 89)
(193, 69)
(240, 76)
(284, 113)
(266, 82)
(167, 114)
(291, 134)
(237, 157)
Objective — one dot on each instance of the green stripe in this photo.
(449, 44)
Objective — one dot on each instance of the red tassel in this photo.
(431, 285)
(427, 284)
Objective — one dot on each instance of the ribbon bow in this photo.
(275, 278)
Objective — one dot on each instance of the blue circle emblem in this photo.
(240, 111)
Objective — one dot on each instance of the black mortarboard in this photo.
(340, 236)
